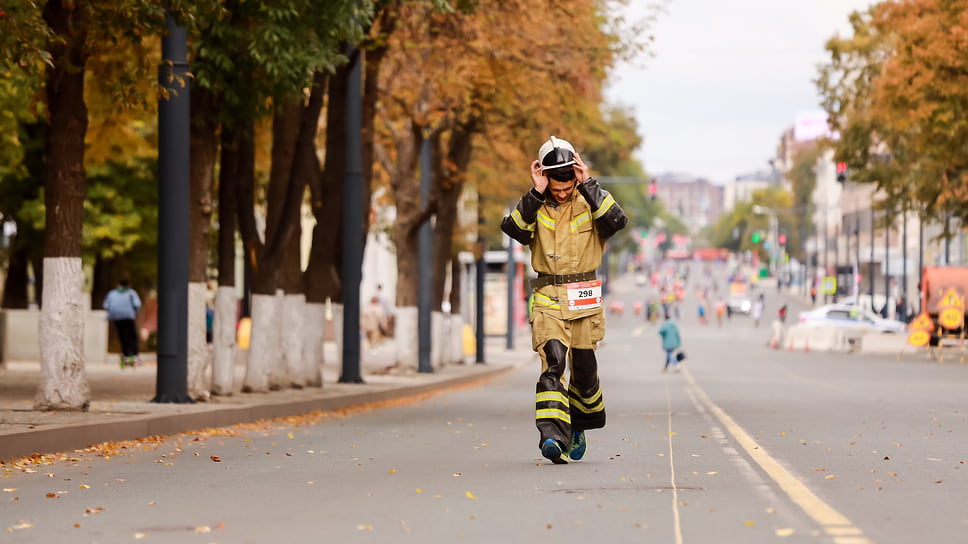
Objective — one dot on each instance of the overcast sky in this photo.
(728, 77)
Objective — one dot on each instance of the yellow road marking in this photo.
(677, 524)
(833, 522)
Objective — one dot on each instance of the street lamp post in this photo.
(774, 236)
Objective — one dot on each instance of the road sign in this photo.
(951, 318)
(952, 300)
(922, 323)
(919, 338)
(829, 285)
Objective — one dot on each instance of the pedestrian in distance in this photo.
(757, 311)
(122, 305)
(565, 219)
(671, 341)
(374, 322)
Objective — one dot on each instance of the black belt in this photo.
(560, 279)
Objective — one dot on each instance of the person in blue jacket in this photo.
(122, 305)
(670, 342)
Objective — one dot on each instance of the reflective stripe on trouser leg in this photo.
(585, 395)
(552, 414)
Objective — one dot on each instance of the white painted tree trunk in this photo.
(278, 371)
(223, 339)
(456, 339)
(263, 344)
(199, 361)
(314, 343)
(337, 309)
(293, 312)
(438, 343)
(405, 334)
(63, 384)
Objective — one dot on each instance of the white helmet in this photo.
(556, 153)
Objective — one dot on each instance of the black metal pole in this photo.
(825, 242)
(857, 258)
(353, 222)
(872, 259)
(920, 259)
(511, 298)
(425, 239)
(947, 240)
(887, 264)
(173, 218)
(479, 281)
(904, 278)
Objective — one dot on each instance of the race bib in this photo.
(584, 295)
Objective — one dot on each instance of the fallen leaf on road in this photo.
(364, 527)
(470, 495)
(96, 510)
(82, 486)
(203, 529)
(784, 532)
(216, 458)
(831, 477)
(23, 525)
(9, 489)
(749, 523)
(53, 496)
(140, 536)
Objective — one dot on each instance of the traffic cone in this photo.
(806, 345)
(791, 343)
(775, 343)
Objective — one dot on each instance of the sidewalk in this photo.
(121, 408)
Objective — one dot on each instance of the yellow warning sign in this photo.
(952, 300)
(919, 338)
(951, 318)
(922, 323)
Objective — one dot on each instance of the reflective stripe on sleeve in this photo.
(606, 204)
(519, 221)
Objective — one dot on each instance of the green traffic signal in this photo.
(756, 237)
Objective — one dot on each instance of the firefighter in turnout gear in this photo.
(566, 230)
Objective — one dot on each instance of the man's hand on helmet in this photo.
(581, 169)
(539, 178)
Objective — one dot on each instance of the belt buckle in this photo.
(559, 279)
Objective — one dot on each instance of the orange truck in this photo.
(936, 281)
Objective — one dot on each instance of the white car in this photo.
(850, 318)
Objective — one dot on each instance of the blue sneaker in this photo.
(552, 450)
(577, 449)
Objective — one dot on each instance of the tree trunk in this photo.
(406, 194)
(285, 195)
(324, 276)
(203, 154)
(64, 383)
(226, 303)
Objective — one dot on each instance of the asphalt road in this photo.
(745, 445)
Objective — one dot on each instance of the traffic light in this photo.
(782, 239)
(653, 189)
(841, 172)
(756, 237)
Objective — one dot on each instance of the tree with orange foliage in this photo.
(495, 70)
(897, 91)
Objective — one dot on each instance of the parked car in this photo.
(851, 318)
(739, 304)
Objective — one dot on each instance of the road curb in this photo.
(72, 436)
